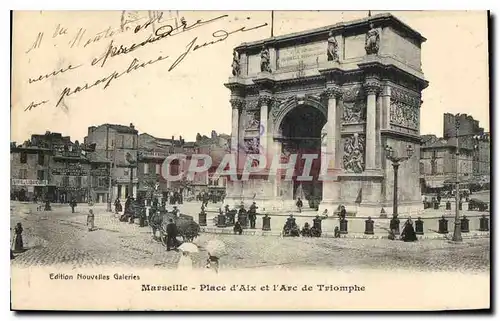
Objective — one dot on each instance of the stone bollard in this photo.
(343, 226)
(221, 220)
(443, 226)
(202, 218)
(419, 226)
(436, 205)
(383, 214)
(266, 223)
(230, 218)
(369, 226)
(464, 224)
(448, 206)
(483, 223)
(394, 224)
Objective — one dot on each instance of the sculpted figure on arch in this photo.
(265, 60)
(372, 41)
(236, 63)
(333, 46)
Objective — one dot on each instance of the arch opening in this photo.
(301, 134)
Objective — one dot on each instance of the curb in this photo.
(229, 231)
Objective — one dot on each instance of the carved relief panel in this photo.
(354, 112)
(404, 115)
(404, 110)
(252, 120)
(354, 102)
(252, 146)
(353, 160)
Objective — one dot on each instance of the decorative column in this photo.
(386, 107)
(236, 104)
(333, 130)
(372, 88)
(264, 100)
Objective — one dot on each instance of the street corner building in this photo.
(351, 91)
(53, 168)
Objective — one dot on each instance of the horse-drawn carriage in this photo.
(134, 211)
(187, 228)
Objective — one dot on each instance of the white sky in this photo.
(192, 98)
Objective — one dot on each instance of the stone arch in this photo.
(289, 104)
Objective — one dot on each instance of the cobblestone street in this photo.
(60, 237)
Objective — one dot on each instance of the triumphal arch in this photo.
(344, 91)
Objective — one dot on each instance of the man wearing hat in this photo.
(171, 234)
(252, 215)
(175, 211)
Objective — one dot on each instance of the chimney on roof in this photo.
(47, 132)
(132, 125)
(173, 137)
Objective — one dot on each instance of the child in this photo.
(90, 220)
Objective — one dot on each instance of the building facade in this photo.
(360, 83)
(154, 150)
(438, 166)
(468, 126)
(50, 166)
(118, 145)
(29, 172)
(438, 163)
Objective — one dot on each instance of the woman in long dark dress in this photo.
(18, 242)
(408, 234)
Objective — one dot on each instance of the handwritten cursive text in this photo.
(52, 74)
(34, 105)
(160, 33)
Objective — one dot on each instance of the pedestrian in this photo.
(408, 234)
(342, 213)
(118, 206)
(185, 263)
(237, 228)
(336, 232)
(299, 204)
(18, 241)
(175, 211)
(171, 234)
(91, 220)
(253, 215)
(73, 204)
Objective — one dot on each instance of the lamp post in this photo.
(89, 149)
(396, 161)
(457, 231)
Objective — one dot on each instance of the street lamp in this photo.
(457, 231)
(396, 160)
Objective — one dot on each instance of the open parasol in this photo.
(188, 247)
